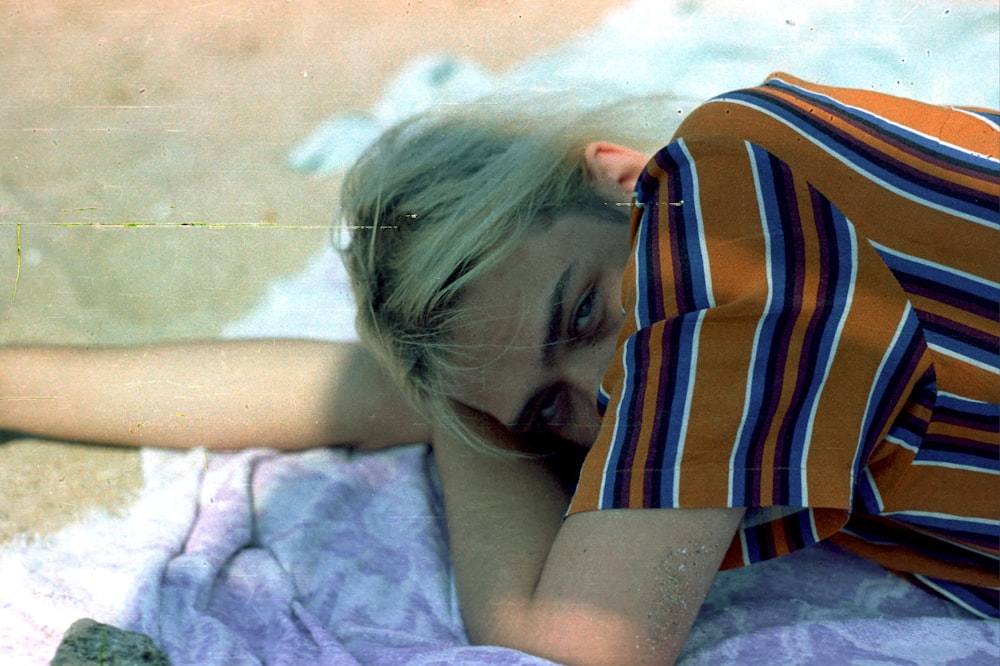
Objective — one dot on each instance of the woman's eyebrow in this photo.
(554, 331)
(552, 336)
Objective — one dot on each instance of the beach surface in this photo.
(144, 189)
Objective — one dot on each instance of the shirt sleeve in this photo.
(752, 368)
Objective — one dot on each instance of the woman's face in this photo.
(542, 328)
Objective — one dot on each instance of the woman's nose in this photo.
(587, 365)
(585, 369)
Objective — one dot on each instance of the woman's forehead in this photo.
(517, 296)
(505, 310)
(516, 310)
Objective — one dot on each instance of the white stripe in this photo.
(962, 398)
(965, 359)
(807, 440)
(989, 123)
(874, 487)
(703, 248)
(760, 325)
(638, 273)
(878, 373)
(853, 167)
(904, 128)
(618, 424)
(947, 595)
(682, 434)
(743, 547)
(952, 465)
(944, 516)
(899, 442)
(812, 526)
(943, 268)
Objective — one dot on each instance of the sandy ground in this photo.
(143, 189)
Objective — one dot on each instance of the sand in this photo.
(144, 194)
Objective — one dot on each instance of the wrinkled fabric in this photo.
(327, 557)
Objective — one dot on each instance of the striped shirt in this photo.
(812, 326)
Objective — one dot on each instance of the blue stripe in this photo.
(985, 358)
(842, 268)
(846, 148)
(958, 403)
(948, 524)
(966, 461)
(751, 546)
(867, 493)
(642, 248)
(905, 437)
(758, 377)
(807, 535)
(977, 288)
(985, 413)
(623, 428)
(981, 601)
(902, 133)
(674, 435)
(868, 535)
(970, 453)
(954, 546)
(682, 229)
(894, 368)
(759, 542)
(909, 429)
(687, 225)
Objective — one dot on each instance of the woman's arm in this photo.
(609, 587)
(286, 394)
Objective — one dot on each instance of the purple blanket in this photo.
(326, 557)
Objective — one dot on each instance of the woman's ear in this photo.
(614, 168)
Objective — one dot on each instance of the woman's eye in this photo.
(584, 312)
(548, 407)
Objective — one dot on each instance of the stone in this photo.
(90, 643)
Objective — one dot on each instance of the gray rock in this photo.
(89, 643)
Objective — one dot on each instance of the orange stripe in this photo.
(965, 131)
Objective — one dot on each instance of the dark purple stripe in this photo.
(682, 286)
(910, 422)
(954, 330)
(885, 529)
(793, 271)
(886, 403)
(652, 281)
(978, 304)
(984, 600)
(964, 419)
(898, 141)
(631, 412)
(660, 440)
(829, 269)
(951, 444)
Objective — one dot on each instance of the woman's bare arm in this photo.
(286, 394)
(606, 587)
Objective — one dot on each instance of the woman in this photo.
(808, 352)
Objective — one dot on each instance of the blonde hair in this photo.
(437, 202)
